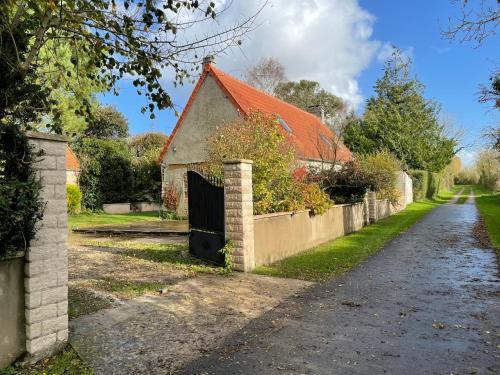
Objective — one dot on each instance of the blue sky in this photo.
(342, 44)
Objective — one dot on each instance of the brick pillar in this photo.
(238, 201)
(46, 267)
(372, 206)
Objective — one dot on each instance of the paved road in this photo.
(428, 303)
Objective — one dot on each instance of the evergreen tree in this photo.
(399, 119)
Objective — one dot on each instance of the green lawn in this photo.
(338, 256)
(488, 204)
(91, 219)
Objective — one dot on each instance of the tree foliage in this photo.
(309, 94)
(266, 75)
(106, 175)
(477, 20)
(142, 143)
(399, 119)
(257, 137)
(21, 205)
(107, 122)
(109, 40)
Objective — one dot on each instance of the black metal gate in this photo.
(206, 217)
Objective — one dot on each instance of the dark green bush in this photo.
(21, 206)
(74, 198)
(107, 175)
(429, 184)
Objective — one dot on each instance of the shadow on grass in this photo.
(173, 254)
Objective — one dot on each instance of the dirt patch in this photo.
(481, 234)
(159, 334)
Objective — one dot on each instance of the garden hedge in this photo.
(429, 184)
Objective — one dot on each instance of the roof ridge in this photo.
(217, 70)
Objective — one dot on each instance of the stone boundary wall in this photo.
(278, 236)
(264, 239)
(46, 260)
(126, 208)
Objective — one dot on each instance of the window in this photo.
(325, 139)
(284, 124)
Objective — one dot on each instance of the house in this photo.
(72, 167)
(218, 99)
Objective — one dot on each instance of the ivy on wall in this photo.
(21, 206)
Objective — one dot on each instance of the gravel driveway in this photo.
(428, 303)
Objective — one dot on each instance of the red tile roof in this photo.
(312, 139)
(72, 163)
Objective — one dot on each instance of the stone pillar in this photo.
(238, 201)
(372, 206)
(366, 210)
(46, 267)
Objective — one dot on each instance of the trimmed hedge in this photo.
(429, 184)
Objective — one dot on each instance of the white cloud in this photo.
(329, 41)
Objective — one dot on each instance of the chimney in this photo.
(318, 111)
(208, 59)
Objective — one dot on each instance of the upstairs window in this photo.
(284, 124)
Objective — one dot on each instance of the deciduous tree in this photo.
(307, 94)
(266, 75)
(115, 38)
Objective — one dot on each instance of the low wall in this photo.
(384, 208)
(280, 235)
(12, 333)
(126, 208)
(116, 208)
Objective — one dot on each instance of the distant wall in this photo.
(126, 208)
(12, 333)
(280, 235)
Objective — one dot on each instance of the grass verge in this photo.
(66, 362)
(488, 204)
(338, 256)
(462, 198)
(90, 219)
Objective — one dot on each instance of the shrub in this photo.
(345, 184)
(381, 168)
(74, 198)
(146, 177)
(315, 198)
(21, 206)
(106, 175)
(349, 182)
(257, 137)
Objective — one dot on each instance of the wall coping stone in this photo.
(47, 136)
(291, 213)
(17, 254)
(238, 161)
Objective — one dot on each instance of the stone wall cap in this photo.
(17, 254)
(47, 136)
(238, 161)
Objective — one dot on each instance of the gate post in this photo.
(238, 206)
